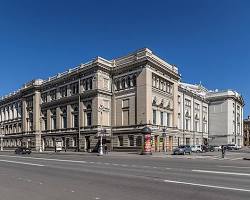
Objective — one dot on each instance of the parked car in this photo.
(196, 148)
(204, 148)
(217, 148)
(182, 150)
(23, 150)
(210, 148)
(232, 147)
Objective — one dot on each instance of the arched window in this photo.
(123, 83)
(134, 80)
(118, 85)
(129, 82)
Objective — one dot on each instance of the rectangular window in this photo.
(44, 97)
(120, 139)
(139, 141)
(187, 141)
(63, 91)
(125, 117)
(64, 121)
(74, 88)
(89, 119)
(53, 95)
(75, 120)
(125, 103)
(53, 123)
(161, 118)
(187, 124)
(154, 116)
(168, 119)
(131, 140)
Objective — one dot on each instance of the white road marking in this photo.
(241, 158)
(207, 186)
(23, 163)
(219, 172)
(50, 159)
(230, 166)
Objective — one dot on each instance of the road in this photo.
(134, 177)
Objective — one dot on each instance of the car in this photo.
(182, 150)
(232, 147)
(23, 150)
(217, 148)
(196, 148)
(211, 148)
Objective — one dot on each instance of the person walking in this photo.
(223, 151)
(105, 149)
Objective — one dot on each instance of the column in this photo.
(37, 120)
(58, 118)
(69, 116)
(24, 115)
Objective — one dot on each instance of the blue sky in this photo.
(208, 40)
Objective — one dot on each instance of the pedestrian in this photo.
(223, 151)
(105, 149)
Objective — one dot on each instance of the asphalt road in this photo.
(87, 177)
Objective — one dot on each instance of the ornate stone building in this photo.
(119, 96)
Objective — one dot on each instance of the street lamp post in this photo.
(101, 148)
(164, 134)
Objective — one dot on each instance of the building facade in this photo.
(246, 137)
(225, 117)
(116, 98)
(192, 115)
(119, 96)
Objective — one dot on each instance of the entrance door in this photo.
(87, 142)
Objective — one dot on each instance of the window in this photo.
(53, 120)
(196, 126)
(125, 117)
(139, 141)
(154, 116)
(197, 106)
(52, 95)
(89, 115)
(134, 80)
(120, 140)
(187, 103)
(63, 91)
(74, 88)
(168, 119)
(131, 140)
(187, 141)
(204, 127)
(162, 118)
(75, 120)
(88, 84)
(187, 124)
